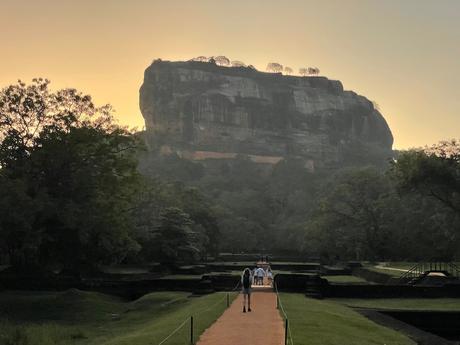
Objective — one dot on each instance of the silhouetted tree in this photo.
(73, 168)
(288, 70)
(303, 71)
(200, 59)
(433, 172)
(175, 237)
(237, 63)
(222, 60)
(313, 70)
(274, 67)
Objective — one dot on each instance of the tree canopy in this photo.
(72, 194)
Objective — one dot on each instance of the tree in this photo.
(200, 58)
(288, 70)
(175, 237)
(26, 110)
(18, 213)
(433, 172)
(237, 63)
(354, 217)
(76, 168)
(303, 71)
(91, 177)
(313, 70)
(222, 60)
(155, 197)
(274, 67)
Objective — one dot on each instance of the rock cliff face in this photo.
(206, 112)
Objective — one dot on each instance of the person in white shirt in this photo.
(260, 276)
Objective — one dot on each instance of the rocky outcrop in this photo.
(205, 112)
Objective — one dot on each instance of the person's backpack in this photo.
(246, 281)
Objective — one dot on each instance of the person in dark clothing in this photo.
(246, 283)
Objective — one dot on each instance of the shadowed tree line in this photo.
(78, 190)
(71, 194)
(411, 211)
(403, 210)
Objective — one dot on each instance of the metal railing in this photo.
(287, 329)
(190, 320)
(422, 268)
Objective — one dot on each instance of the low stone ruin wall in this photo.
(303, 283)
(389, 291)
(130, 289)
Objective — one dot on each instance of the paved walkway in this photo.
(262, 326)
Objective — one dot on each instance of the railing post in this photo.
(277, 302)
(191, 330)
(228, 300)
(286, 332)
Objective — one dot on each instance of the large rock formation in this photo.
(206, 112)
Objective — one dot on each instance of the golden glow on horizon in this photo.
(402, 54)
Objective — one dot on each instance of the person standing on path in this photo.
(270, 276)
(260, 276)
(246, 282)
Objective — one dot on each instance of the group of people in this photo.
(260, 273)
(253, 277)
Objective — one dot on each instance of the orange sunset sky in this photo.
(405, 54)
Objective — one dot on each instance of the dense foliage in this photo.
(71, 194)
(406, 210)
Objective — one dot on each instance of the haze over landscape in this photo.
(404, 55)
(229, 172)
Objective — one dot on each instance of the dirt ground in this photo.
(262, 326)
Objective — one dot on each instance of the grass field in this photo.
(89, 318)
(441, 304)
(345, 279)
(381, 269)
(315, 322)
(405, 265)
(183, 276)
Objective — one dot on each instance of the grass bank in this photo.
(316, 322)
(89, 318)
(345, 279)
(438, 304)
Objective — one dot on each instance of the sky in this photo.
(404, 55)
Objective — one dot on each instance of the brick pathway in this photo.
(262, 326)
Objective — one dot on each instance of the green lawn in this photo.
(293, 263)
(88, 318)
(230, 263)
(399, 264)
(387, 271)
(315, 322)
(443, 304)
(183, 276)
(232, 272)
(345, 279)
